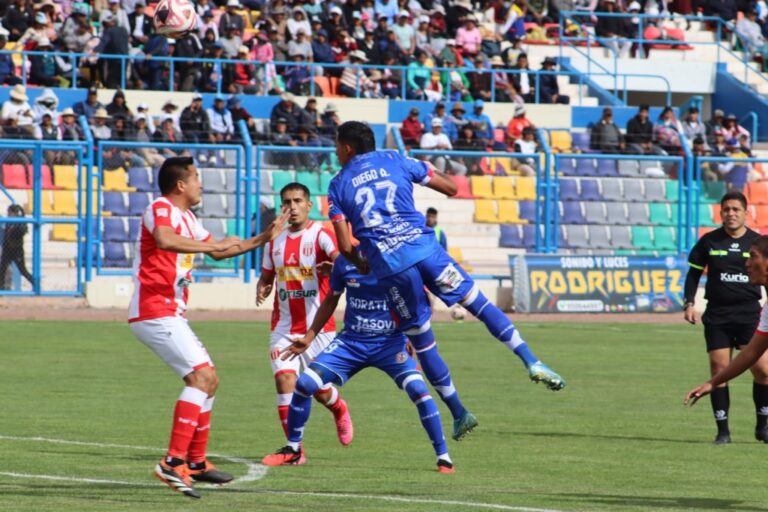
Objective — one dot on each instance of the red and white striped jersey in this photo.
(293, 258)
(162, 278)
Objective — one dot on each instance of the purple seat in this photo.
(511, 236)
(580, 141)
(138, 177)
(114, 202)
(585, 167)
(134, 229)
(114, 230)
(567, 166)
(590, 190)
(607, 168)
(569, 190)
(115, 255)
(527, 210)
(571, 213)
(529, 236)
(137, 203)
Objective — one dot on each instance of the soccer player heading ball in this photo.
(374, 193)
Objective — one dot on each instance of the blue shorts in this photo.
(440, 274)
(345, 356)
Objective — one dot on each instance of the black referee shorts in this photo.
(728, 336)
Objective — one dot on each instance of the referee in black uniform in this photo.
(733, 307)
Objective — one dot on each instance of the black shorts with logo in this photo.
(728, 336)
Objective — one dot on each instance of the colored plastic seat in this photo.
(633, 190)
(757, 192)
(510, 236)
(137, 203)
(580, 140)
(570, 213)
(660, 214)
(576, 236)
(114, 202)
(598, 237)
(590, 190)
(525, 187)
(482, 186)
(706, 217)
(594, 213)
(216, 227)
(737, 177)
(64, 233)
(140, 179)
(527, 210)
(611, 189)
(47, 178)
(114, 230)
(15, 176)
(664, 238)
(485, 211)
(529, 236)
(115, 255)
(637, 213)
(134, 229)
(116, 180)
(672, 192)
(504, 187)
(316, 213)
(213, 181)
(585, 167)
(325, 181)
(309, 180)
(64, 202)
(509, 212)
(569, 190)
(281, 179)
(654, 191)
(606, 168)
(642, 238)
(560, 140)
(462, 186)
(567, 166)
(65, 176)
(621, 237)
(714, 190)
(616, 213)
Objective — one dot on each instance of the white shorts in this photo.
(173, 341)
(279, 341)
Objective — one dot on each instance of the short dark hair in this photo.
(761, 245)
(358, 135)
(172, 171)
(294, 186)
(734, 195)
(431, 211)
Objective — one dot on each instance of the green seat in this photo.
(705, 216)
(664, 238)
(660, 214)
(713, 191)
(673, 190)
(624, 252)
(310, 180)
(325, 180)
(281, 179)
(227, 264)
(232, 227)
(316, 212)
(641, 237)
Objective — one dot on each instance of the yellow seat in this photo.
(525, 188)
(65, 176)
(504, 187)
(117, 181)
(455, 253)
(64, 202)
(46, 207)
(509, 213)
(561, 141)
(64, 233)
(485, 211)
(482, 186)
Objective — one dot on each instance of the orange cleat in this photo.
(177, 478)
(285, 456)
(443, 466)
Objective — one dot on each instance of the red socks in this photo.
(185, 421)
(199, 444)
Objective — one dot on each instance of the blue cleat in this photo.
(463, 425)
(539, 372)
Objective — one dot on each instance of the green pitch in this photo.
(616, 439)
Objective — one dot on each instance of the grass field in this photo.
(616, 439)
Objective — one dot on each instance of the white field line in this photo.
(255, 472)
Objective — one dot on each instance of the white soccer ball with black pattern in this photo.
(175, 18)
(458, 313)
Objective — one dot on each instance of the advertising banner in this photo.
(597, 284)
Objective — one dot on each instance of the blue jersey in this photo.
(374, 192)
(367, 317)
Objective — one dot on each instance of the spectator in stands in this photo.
(412, 129)
(605, 136)
(222, 126)
(44, 69)
(288, 110)
(243, 74)
(166, 133)
(517, 124)
(358, 27)
(639, 137)
(70, 129)
(264, 53)
(71, 32)
(699, 149)
(549, 90)
(468, 142)
(46, 130)
(513, 28)
(189, 47)
(435, 140)
(116, 12)
(230, 42)
(240, 114)
(731, 128)
(667, 131)
(334, 22)
(118, 107)
(418, 77)
(140, 26)
(17, 19)
(46, 103)
(298, 76)
(613, 30)
(207, 24)
(17, 109)
(386, 8)
(354, 82)
(455, 121)
(692, 126)
(751, 33)
(505, 88)
(114, 41)
(215, 71)
(526, 145)
(370, 47)
(232, 19)
(480, 81)
(714, 125)
(431, 221)
(455, 84)
(450, 53)
(151, 157)
(13, 248)
(169, 108)
(744, 145)
(35, 33)
(311, 115)
(523, 81)
(438, 23)
(538, 12)
(99, 127)
(440, 113)
(329, 122)
(405, 33)
(195, 125)
(300, 45)
(7, 67)
(481, 123)
(390, 83)
(468, 37)
(157, 46)
(278, 24)
(281, 137)
(725, 9)
(718, 146)
(322, 53)
(298, 22)
(424, 37)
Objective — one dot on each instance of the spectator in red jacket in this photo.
(412, 129)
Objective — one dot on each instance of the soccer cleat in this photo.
(761, 434)
(723, 439)
(539, 372)
(344, 427)
(443, 466)
(463, 425)
(285, 456)
(177, 478)
(206, 472)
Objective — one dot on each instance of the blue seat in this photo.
(114, 229)
(134, 229)
(527, 210)
(580, 140)
(213, 180)
(214, 206)
(569, 190)
(607, 168)
(138, 178)
(115, 255)
(590, 190)
(567, 166)
(571, 213)
(114, 202)
(585, 167)
(529, 236)
(137, 203)
(511, 236)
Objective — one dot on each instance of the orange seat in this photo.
(325, 86)
(462, 184)
(704, 231)
(757, 192)
(15, 176)
(716, 214)
(761, 215)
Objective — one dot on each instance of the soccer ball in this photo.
(175, 18)
(458, 313)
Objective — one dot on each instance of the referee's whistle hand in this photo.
(690, 315)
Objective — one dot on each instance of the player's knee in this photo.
(422, 338)
(204, 379)
(309, 383)
(414, 386)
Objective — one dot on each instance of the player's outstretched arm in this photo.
(344, 241)
(255, 242)
(441, 182)
(322, 316)
(741, 363)
(168, 240)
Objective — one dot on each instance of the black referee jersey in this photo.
(730, 297)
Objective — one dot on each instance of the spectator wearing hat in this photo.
(230, 42)
(455, 121)
(195, 124)
(231, 19)
(46, 130)
(386, 8)
(751, 33)
(7, 67)
(357, 29)
(450, 53)
(69, 127)
(731, 128)
(298, 76)
(667, 131)
(35, 33)
(243, 74)
(222, 126)
(439, 112)
(391, 77)
(321, 50)
(140, 26)
(240, 114)
(74, 28)
(329, 122)
(298, 21)
(405, 34)
(692, 126)
(380, 33)
(714, 125)
(354, 82)
(142, 109)
(481, 123)
(300, 45)
(424, 41)
(639, 137)
(605, 136)
(435, 140)
(277, 23)
(44, 69)
(335, 20)
(468, 37)
(549, 90)
(216, 71)
(114, 41)
(99, 125)
(281, 137)
(613, 30)
(412, 129)
(118, 106)
(504, 85)
(188, 47)
(170, 108)
(480, 80)
(207, 23)
(455, 84)
(523, 80)
(17, 108)
(718, 147)
(437, 22)
(370, 47)
(150, 156)
(288, 110)
(46, 103)
(115, 11)
(89, 106)
(18, 17)
(312, 115)
(517, 124)
(167, 133)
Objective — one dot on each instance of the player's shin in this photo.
(760, 396)
(283, 401)
(185, 421)
(301, 406)
(428, 413)
(199, 443)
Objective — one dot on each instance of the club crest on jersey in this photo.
(292, 259)
(352, 283)
(401, 357)
(308, 250)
